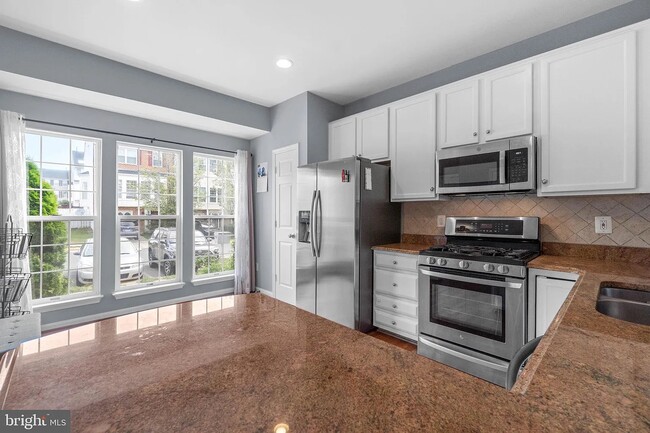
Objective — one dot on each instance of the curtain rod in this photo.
(128, 135)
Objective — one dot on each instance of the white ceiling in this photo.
(343, 49)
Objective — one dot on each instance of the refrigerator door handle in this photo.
(319, 223)
(312, 224)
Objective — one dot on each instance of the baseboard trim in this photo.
(114, 313)
(268, 293)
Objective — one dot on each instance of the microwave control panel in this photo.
(518, 165)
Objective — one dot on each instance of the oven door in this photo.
(473, 169)
(484, 313)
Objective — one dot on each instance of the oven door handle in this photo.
(473, 280)
(502, 367)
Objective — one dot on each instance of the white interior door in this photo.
(285, 162)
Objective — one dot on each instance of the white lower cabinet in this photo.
(396, 294)
(547, 292)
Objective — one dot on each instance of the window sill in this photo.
(209, 280)
(121, 294)
(68, 303)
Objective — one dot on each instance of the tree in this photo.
(54, 235)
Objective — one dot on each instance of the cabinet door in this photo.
(342, 138)
(507, 103)
(412, 148)
(588, 117)
(459, 114)
(372, 134)
(550, 294)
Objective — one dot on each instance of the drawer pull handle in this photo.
(394, 322)
(394, 306)
(394, 284)
(394, 262)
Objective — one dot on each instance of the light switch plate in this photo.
(441, 220)
(603, 224)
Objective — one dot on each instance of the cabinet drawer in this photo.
(396, 323)
(397, 306)
(396, 284)
(397, 261)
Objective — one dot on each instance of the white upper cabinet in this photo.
(342, 138)
(459, 106)
(588, 116)
(372, 134)
(412, 148)
(507, 97)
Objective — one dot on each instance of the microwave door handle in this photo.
(502, 167)
(453, 277)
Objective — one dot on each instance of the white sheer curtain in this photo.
(244, 245)
(13, 192)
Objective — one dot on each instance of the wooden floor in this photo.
(393, 340)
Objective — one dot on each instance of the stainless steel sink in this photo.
(624, 304)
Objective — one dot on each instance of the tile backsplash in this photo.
(563, 219)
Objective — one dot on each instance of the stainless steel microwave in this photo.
(499, 166)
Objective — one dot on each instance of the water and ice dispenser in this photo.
(304, 229)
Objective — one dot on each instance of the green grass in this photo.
(79, 236)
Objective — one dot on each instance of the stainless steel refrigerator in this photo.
(344, 209)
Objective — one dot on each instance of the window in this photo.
(62, 185)
(214, 222)
(127, 155)
(156, 159)
(149, 216)
(132, 189)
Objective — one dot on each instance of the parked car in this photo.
(129, 229)
(162, 248)
(130, 268)
(206, 229)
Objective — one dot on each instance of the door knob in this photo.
(292, 235)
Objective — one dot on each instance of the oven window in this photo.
(475, 308)
(473, 170)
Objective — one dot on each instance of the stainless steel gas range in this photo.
(472, 294)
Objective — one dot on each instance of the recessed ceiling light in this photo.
(284, 63)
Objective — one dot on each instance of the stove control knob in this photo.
(488, 267)
(503, 269)
(431, 261)
(463, 264)
(442, 262)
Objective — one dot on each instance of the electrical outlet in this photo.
(603, 224)
(441, 220)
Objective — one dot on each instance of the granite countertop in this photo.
(255, 362)
(402, 247)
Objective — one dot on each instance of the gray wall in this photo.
(54, 111)
(302, 119)
(34, 57)
(320, 112)
(594, 25)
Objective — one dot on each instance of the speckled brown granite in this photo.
(262, 362)
(412, 244)
(403, 248)
(428, 240)
(599, 252)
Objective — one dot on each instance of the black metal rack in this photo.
(14, 246)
